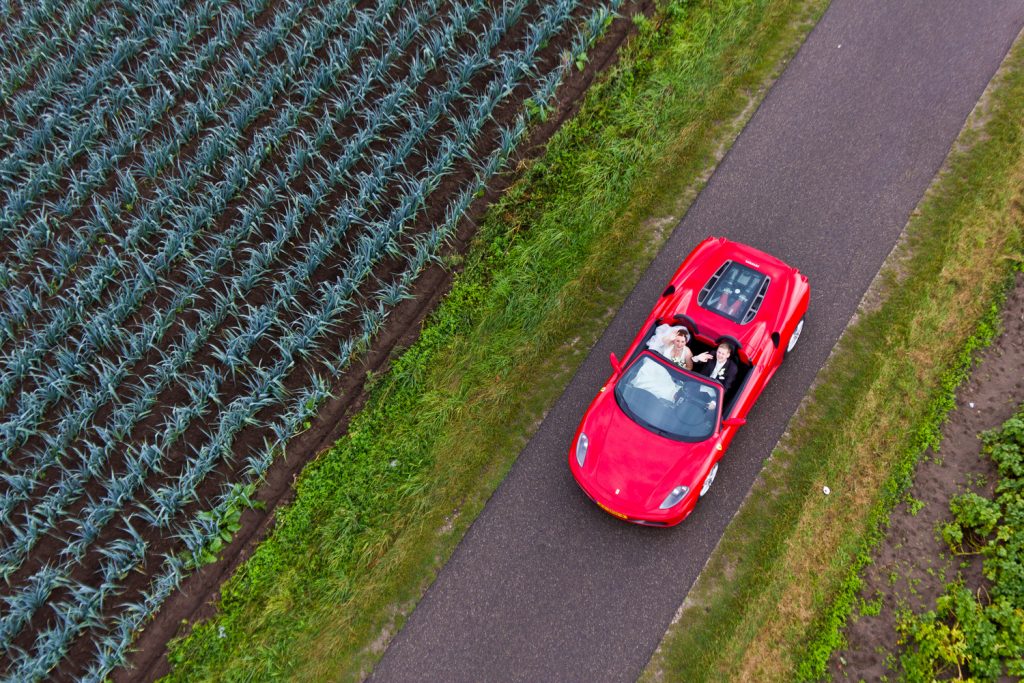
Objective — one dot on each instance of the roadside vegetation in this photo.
(376, 516)
(978, 635)
(773, 599)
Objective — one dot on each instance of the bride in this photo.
(670, 341)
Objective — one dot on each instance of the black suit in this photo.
(727, 381)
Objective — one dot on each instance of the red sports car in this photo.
(649, 444)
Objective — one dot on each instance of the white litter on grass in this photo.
(826, 490)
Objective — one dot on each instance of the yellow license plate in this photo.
(611, 512)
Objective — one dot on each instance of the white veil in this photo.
(661, 340)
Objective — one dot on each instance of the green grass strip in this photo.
(376, 516)
(772, 602)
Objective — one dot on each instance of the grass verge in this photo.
(376, 516)
(771, 604)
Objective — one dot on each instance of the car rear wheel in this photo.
(795, 337)
(708, 480)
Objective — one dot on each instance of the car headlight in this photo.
(673, 498)
(581, 448)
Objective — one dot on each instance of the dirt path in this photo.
(912, 565)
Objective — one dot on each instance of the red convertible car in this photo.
(649, 444)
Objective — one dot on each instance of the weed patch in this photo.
(979, 634)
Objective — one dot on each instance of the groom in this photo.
(722, 369)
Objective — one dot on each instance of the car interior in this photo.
(698, 345)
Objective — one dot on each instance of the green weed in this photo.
(979, 635)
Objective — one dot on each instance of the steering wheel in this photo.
(690, 414)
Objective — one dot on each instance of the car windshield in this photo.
(669, 400)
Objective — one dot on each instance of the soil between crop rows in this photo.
(194, 599)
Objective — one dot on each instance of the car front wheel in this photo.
(708, 480)
(795, 337)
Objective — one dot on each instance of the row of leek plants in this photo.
(55, 102)
(121, 111)
(66, 255)
(82, 43)
(36, 20)
(54, 36)
(172, 203)
(123, 120)
(190, 78)
(246, 62)
(175, 205)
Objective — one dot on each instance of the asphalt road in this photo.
(546, 587)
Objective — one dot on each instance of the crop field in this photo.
(208, 209)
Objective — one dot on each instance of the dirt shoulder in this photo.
(911, 567)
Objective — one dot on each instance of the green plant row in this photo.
(978, 634)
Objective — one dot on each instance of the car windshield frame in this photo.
(666, 399)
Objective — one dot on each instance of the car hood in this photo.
(633, 469)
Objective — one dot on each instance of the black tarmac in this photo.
(545, 586)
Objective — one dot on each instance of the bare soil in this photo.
(912, 565)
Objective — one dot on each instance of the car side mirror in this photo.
(734, 422)
(616, 365)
